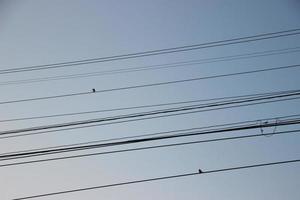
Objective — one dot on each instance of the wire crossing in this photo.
(199, 172)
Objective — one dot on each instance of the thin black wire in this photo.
(143, 114)
(239, 40)
(154, 67)
(29, 154)
(147, 106)
(144, 118)
(160, 178)
(178, 131)
(151, 84)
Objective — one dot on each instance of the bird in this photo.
(200, 171)
(94, 90)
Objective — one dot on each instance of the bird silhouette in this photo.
(200, 171)
(94, 90)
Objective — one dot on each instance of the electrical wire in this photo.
(145, 118)
(147, 106)
(154, 67)
(239, 40)
(142, 114)
(12, 156)
(142, 148)
(178, 131)
(199, 172)
(152, 84)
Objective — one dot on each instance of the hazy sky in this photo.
(42, 32)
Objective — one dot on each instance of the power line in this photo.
(142, 114)
(31, 153)
(144, 148)
(145, 118)
(152, 84)
(154, 67)
(159, 133)
(200, 172)
(239, 40)
(147, 106)
(84, 147)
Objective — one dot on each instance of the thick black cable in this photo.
(144, 118)
(154, 67)
(200, 172)
(151, 84)
(135, 115)
(135, 149)
(178, 131)
(29, 154)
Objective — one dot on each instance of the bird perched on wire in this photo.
(94, 90)
(200, 171)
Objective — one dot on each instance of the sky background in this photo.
(42, 32)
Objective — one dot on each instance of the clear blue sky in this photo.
(41, 32)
